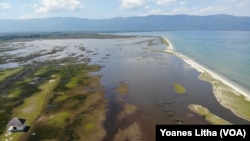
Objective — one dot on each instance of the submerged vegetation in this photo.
(122, 89)
(178, 88)
(55, 35)
(61, 100)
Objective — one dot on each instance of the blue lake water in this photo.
(224, 52)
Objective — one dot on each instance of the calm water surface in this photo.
(149, 73)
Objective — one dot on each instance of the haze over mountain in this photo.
(119, 24)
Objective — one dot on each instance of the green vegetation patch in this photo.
(90, 126)
(9, 72)
(15, 93)
(206, 114)
(76, 108)
(228, 97)
(58, 119)
(75, 76)
(88, 118)
(178, 88)
(33, 105)
(72, 83)
(43, 132)
(14, 90)
(62, 97)
(59, 102)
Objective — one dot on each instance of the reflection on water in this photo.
(150, 86)
(148, 72)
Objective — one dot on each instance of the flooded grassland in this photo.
(101, 89)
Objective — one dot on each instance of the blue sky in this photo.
(102, 9)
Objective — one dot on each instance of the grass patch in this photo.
(41, 71)
(206, 114)
(14, 90)
(72, 83)
(9, 72)
(61, 98)
(228, 97)
(55, 100)
(89, 126)
(178, 88)
(33, 105)
(46, 133)
(15, 93)
(58, 119)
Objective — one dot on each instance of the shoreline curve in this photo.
(215, 79)
(203, 69)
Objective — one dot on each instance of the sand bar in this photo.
(203, 69)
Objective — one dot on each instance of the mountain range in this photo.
(127, 24)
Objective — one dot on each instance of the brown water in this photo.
(149, 73)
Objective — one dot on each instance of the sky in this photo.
(103, 9)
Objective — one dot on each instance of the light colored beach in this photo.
(203, 69)
(228, 95)
(170, 47)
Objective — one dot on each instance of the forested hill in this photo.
(119, 24)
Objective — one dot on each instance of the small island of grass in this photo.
(178, 88)
(206, 114)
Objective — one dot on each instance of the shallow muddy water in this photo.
(148, 72)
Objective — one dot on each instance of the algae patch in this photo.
(206, 114)
(178, 88)
(122, 88)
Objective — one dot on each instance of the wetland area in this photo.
(104, 87)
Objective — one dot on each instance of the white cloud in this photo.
(157, 12)
(212, 9)
(132, 4)
(59, 5)
(5, 5)
(53, 6)
(180, 10)
(165, 2)
(207, 9)
(30, 5)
